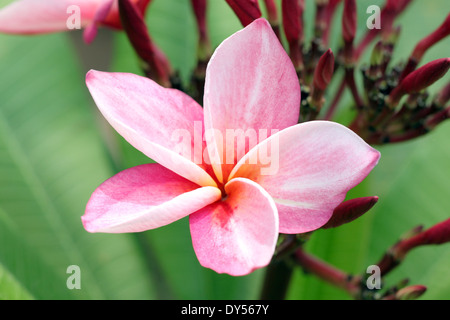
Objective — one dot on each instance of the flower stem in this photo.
(333, 106)
(276, 281)
(327, 272)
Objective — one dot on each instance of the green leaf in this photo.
(51, 159)
(11, 289)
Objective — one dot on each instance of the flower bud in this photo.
(101, 15)
(204, 46)
(292, 11)
(438, 234)
(437, 35)
(272, 12)
(324, 70)
(246, 10)
(157, 66)
(328, 17)
(349, 21)
(420, 49)
(420, 79)
(199, 7)
(410, 292)
(350, 210)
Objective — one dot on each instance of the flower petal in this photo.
(308, 169)
(164, 124)
(90, 32)
(250, 84)
(238, 234)
(33, 16)
(142, 198)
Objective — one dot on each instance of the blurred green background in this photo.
(52, 157)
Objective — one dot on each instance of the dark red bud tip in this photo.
(396, 6)
(136, 29)
(420, 79)
(437, 234)
(246, 10)
(440, 33)
(350, 210)
(410, 292)
(349, 21)
(272, 11)
(199, 7)
(324, 70)
(426, 75)
(292, 12)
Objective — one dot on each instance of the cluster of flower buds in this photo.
(395, 105)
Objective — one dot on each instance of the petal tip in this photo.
(87, 224)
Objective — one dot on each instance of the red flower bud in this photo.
(292, 11)
(199, 7)
(396, 6)
(420, 49)
(349, 21)
(272, 11)
(246, 10)
(328, 17)
(420, 79)
(437, 35)
(134, 25)
(410, 292)
(324, 70)
(350, 210)
(438, 234)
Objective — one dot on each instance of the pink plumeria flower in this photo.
(45, 16)
(235, 212)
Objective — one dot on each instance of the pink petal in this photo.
(251, 84)
(42, 16)
(142, 198)
(164, 124)
(236, 235)
(308, 170)
(90, 32)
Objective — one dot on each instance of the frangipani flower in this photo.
(45, 16)
(236, 208)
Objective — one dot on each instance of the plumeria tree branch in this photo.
(356, 286)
